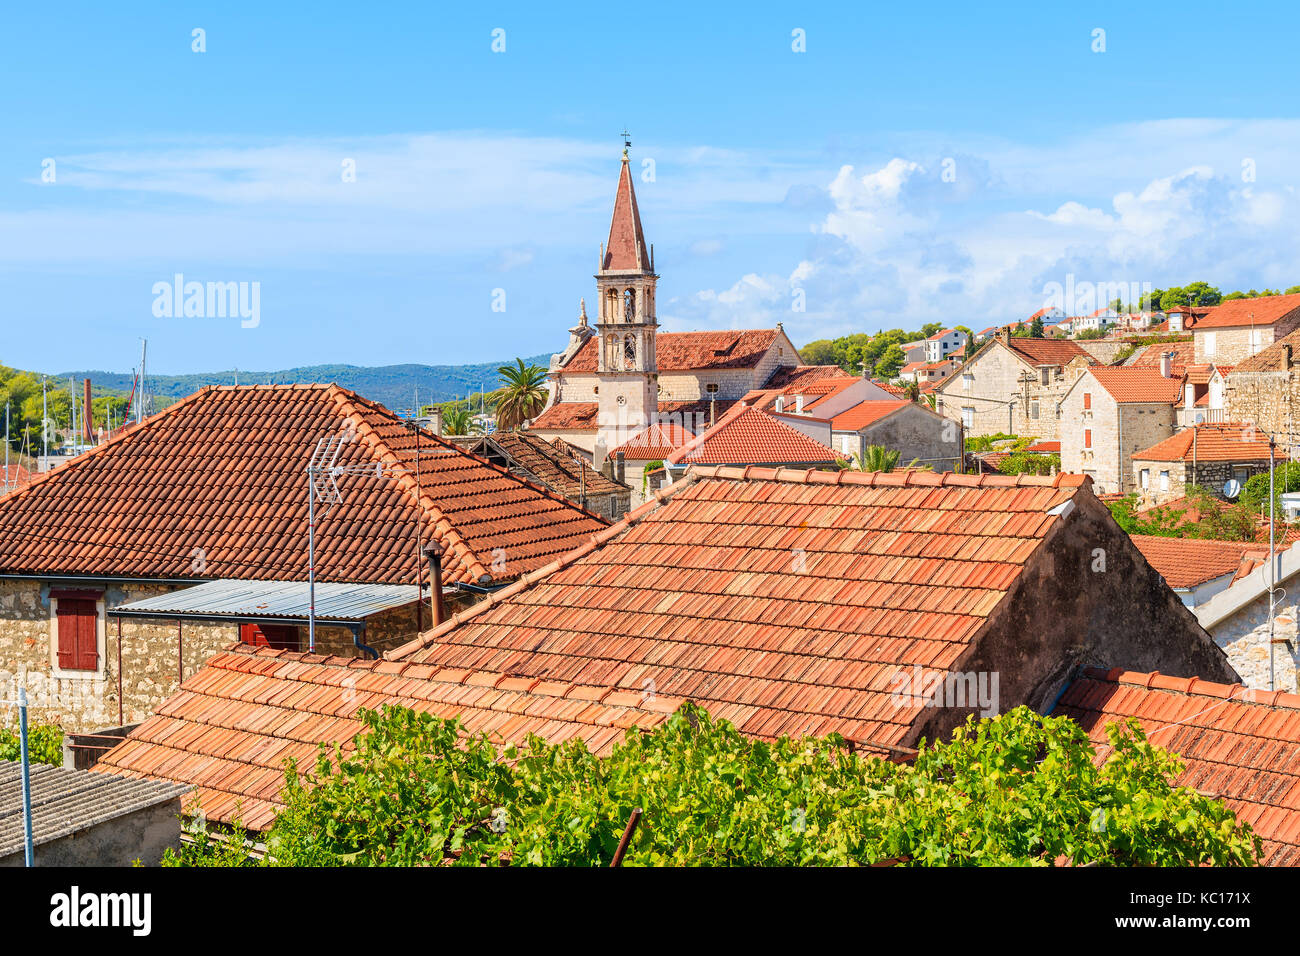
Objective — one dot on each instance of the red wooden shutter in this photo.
(252, 634)
(78, 640)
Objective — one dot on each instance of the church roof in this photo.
(692, 351)
(626, 250)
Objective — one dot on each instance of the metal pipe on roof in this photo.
(433, 554)
(359, 645)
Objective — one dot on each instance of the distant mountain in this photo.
(391, 385)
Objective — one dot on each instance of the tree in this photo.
(1019, 788)
(1201, 294)
(458, 420)
(1293, 290)
(819, 352)
(930, 328)
(1036, 328)
(876, 458)
(889, 363)
(522, 396)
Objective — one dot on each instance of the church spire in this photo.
(626, 249)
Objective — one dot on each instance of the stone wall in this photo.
(1235, 345)
(1269, 399)
(1244, 637)
(87, 701)
(995, 381)
(1135, 426)
(917, 433)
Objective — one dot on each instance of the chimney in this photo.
(1005, 335)
(86, 432)
(618, 468)
(1286, 356)
(433, 553)
(780, 403)
(798, 404)
(435, 423)
(1167, 365)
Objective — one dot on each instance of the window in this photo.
(1144, 478)
(1210, 344)
(711, 388)
(629, 305)
(967, 380)
(1164, 481)
(1087, 438)
(968, 417)
(629, 351)
(1087, 401)
(1045, 373)
(1033, 409)
(270, 635)
(1256, 340)
(77, 630)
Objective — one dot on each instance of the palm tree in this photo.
(522, 394)
(457, 420)
(876, 458)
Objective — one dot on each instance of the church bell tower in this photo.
(625, 323)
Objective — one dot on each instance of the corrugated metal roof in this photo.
(67, 801)
(275, 599)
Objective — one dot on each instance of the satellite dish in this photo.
(1200, 418)
(1231, 488)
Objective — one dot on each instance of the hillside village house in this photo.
(1206, 456)
(910, 428)
(1113, 413)
(914, 351)
(750, 436)
(1012, 385)
(929, 373)
(883, 607)
(1239, 328)
(943, 344)
(210, 496)
(1265, 389)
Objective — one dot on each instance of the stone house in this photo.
(929, 373)
(749, 436)
(1108, 414)
(1199, 568)
(214, 489)
(1012, 385)
(1265, 389)
(1238, 620)
(913, 430)
(1205, 456)
(1239, 328)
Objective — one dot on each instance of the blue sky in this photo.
(917, 163)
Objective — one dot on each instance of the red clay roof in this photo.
(1273, 358)
(1148, 356)
(864, 414)
(655, 443)
(747, 436)
(1188, 562)
(1264, 310)
(1225, 442)
(1138, 385)
(1048, 351)
(691, 351)
(693, 594)
(626, 251)
(1044, 447)
(232, 725)
(221, 474)
(552, 466)
(1241, 745)
(815, 383)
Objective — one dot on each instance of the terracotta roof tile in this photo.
(1273, 358)
(1264, 310)
(692, 351)
(1138, 385)
(1242, 745)
(550, 465)
(655, 443)
(864, 414)
(1187, 562)
(1223, 442)
(747, 435)
(224, 471)
(777, 598)
(229, 731)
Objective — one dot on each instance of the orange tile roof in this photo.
(1138, 385)
(551, 466)
(1044, 447)
(693, 594)
(1241, 745)
(1149, 356)
(1223, 442)
(748, 436)
(815, 383)
(691, 351)
(1188, 562)
(224, 471)
(232, 725)
(1264, 310)
(655, 443)
(864, 414)
(1049, 351)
